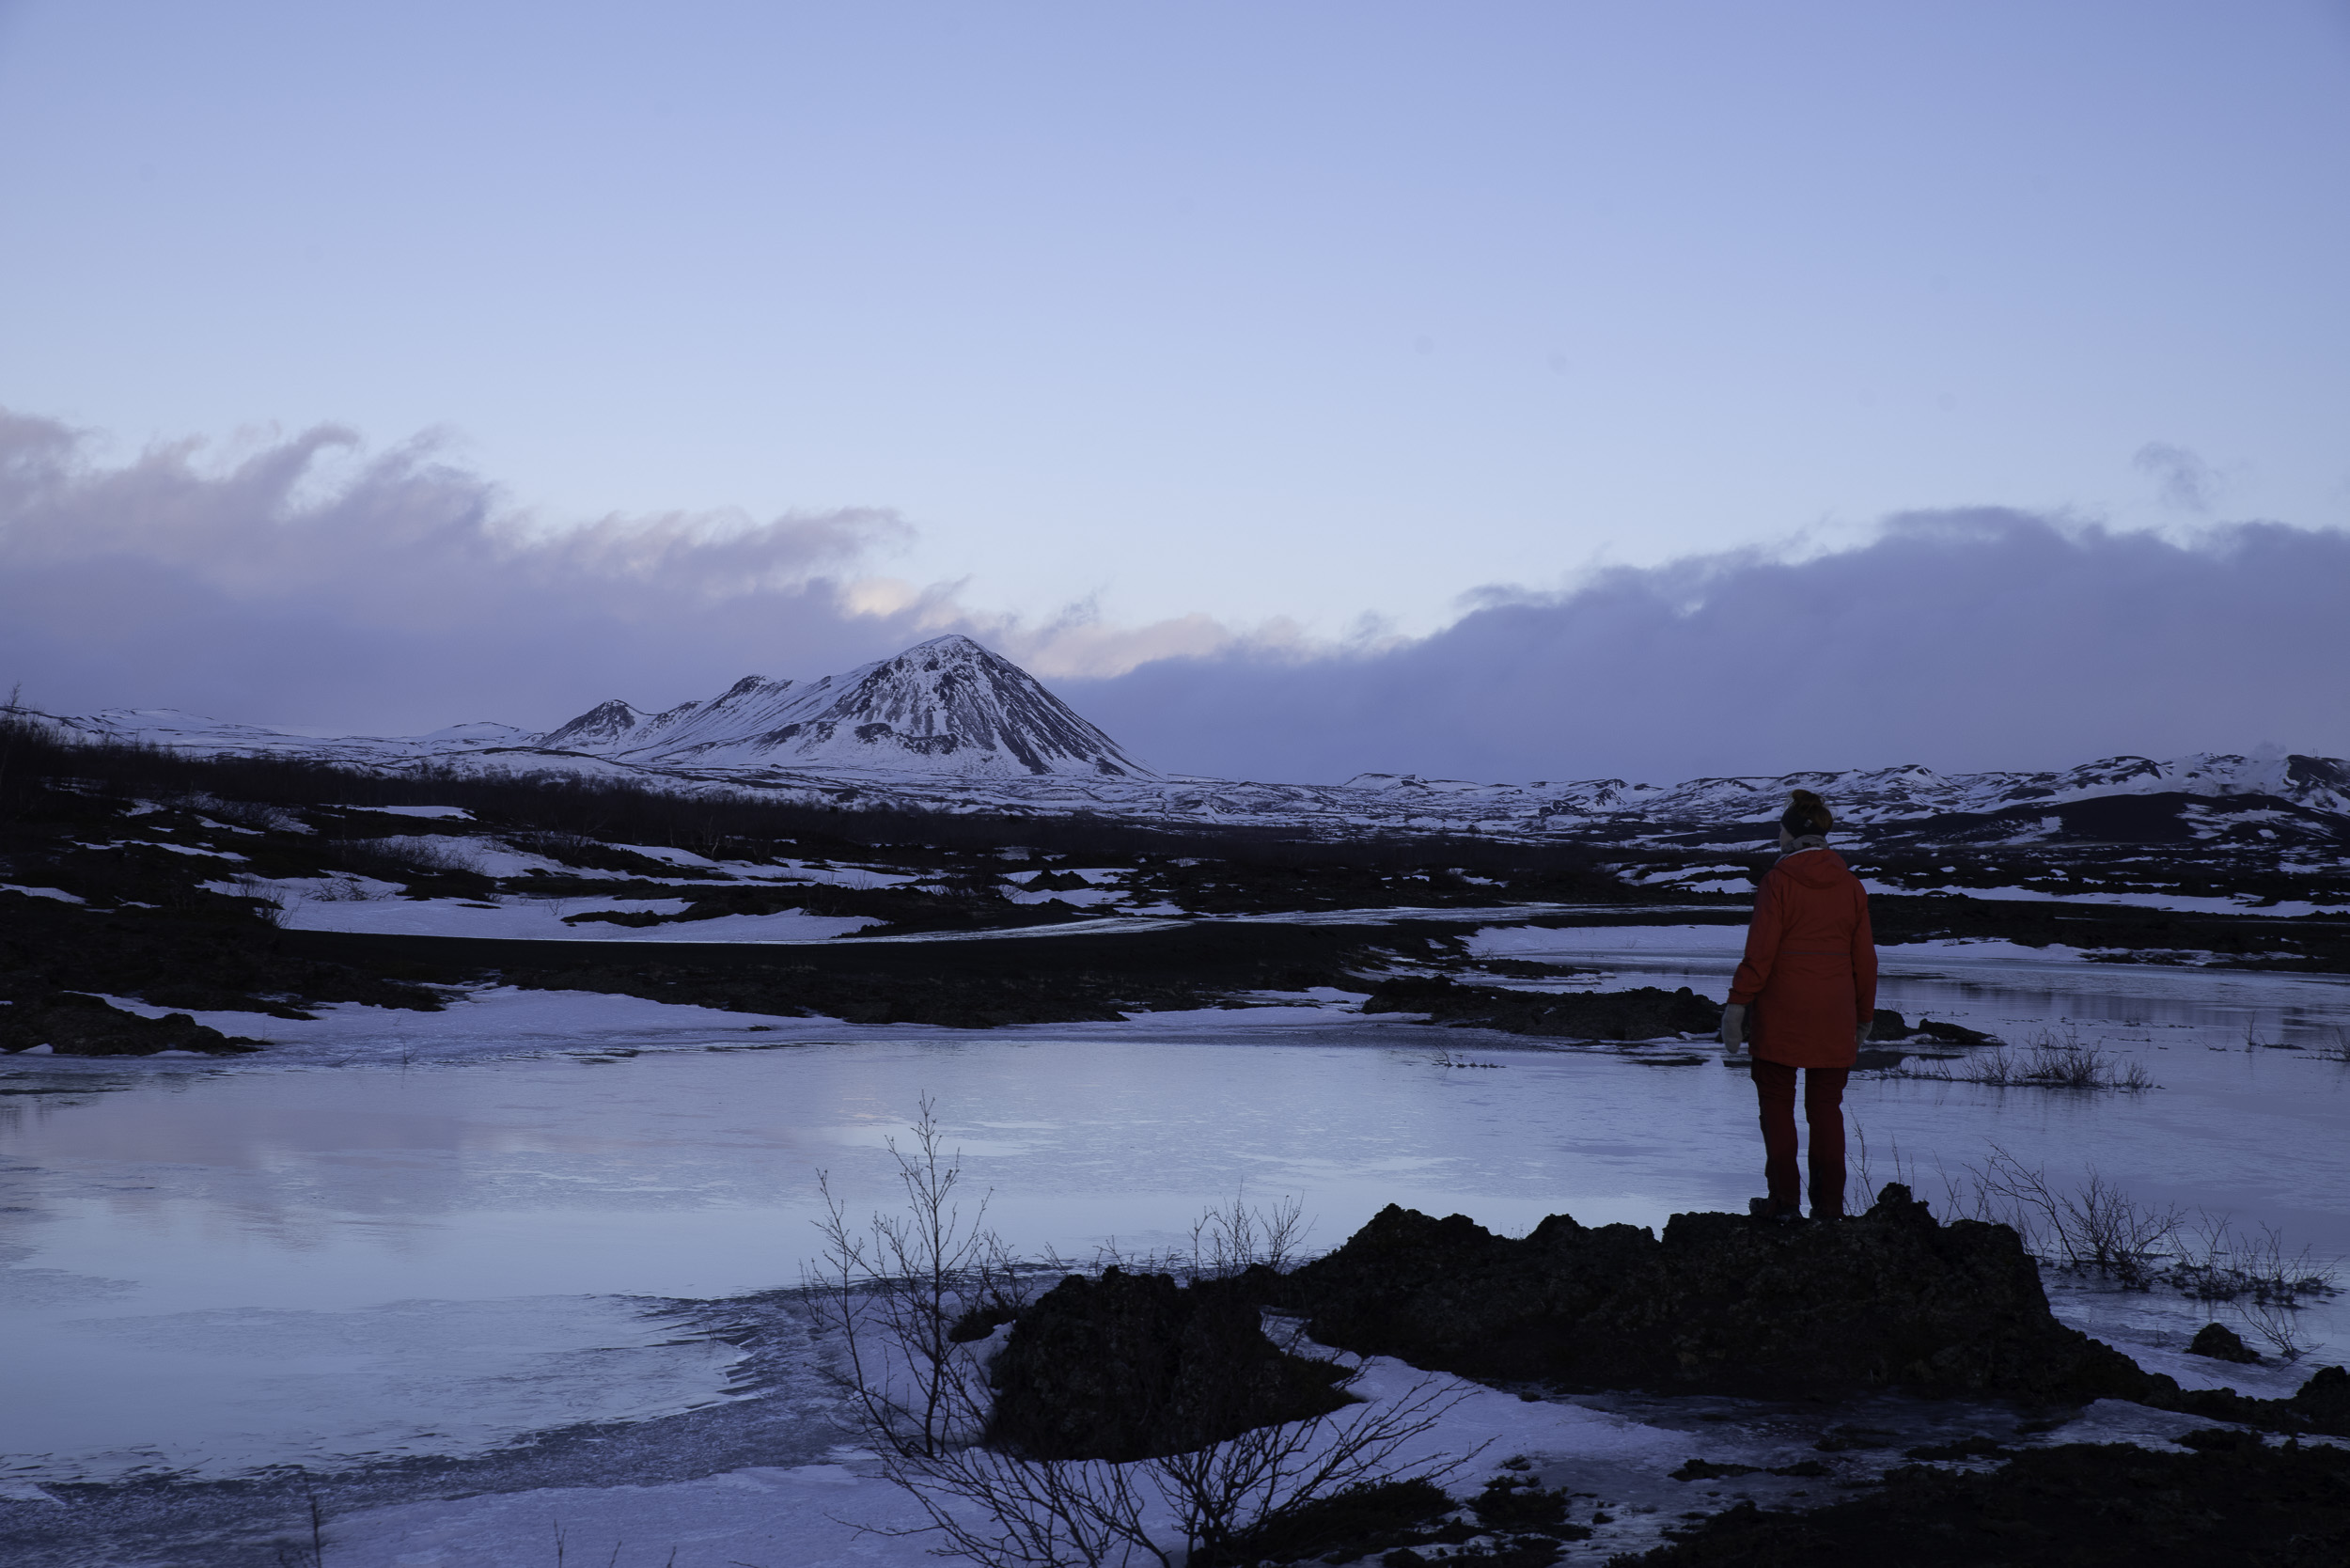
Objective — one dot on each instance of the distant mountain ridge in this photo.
(949, 726)
(1860, 795)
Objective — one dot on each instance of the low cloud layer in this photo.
(404, 595)
(1969, 639)
(298, 584)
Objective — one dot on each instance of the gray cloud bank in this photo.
(404, 595)
(1980, 639)
(399, 598)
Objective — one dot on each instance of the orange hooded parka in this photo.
(1811, 967)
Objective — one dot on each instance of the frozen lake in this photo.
(431, 1235)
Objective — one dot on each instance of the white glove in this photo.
(1733, 1032)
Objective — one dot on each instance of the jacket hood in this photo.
(1819, 868)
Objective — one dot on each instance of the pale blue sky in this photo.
(1251, 310)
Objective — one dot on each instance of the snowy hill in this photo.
(947, 725)
(944, 706)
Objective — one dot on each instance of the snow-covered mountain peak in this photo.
(947, 705)
(600, 725)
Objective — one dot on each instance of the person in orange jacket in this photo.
(1804, 993)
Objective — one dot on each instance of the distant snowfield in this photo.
(2176, 903)
(544, 922)
(56, 893)
(1725, 942)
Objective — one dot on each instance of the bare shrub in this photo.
(897, 1290)
(1864, 1171)
(1228, 1238)
(912, 1296)
(1048, 1513)
(268, 902)
(398, 857)
(1231, 1238)
(2097, 1229)
(2042, 1062)
(251, 814)
(2218, 1263)
(2274, 1322)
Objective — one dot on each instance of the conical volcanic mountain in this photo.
(944, 706)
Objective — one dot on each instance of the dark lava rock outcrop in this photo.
(1724, 1303)
(2233, 1501)
(1720, 1304)
(1645, 1012)
(1131, 1366)
(74, 1025)
(1889, 1025)
(2221, 1343)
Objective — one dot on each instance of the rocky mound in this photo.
(1646, 1013)
(1130, 1366)
(1723, 1304)
(74, 1025)
(1720, 1304)
(1133, 1366)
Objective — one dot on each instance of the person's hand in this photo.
(1733, 1032)
(1861, 1032)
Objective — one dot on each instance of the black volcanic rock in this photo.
(1644, 1012)
(1131, 1366)
(1720, 1304)
(2105, 1505)
(2221, 1343)
(74, 1025)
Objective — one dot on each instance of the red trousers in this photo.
(1824, 1110)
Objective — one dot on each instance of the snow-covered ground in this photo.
(542, 920)
(2176, 903)
(413, 1251)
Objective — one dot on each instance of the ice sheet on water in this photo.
(220, 1392)
(487, 1021)
(683, 1171)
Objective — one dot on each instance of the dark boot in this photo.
(1827, 1191)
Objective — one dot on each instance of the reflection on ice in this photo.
(2023, 987)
